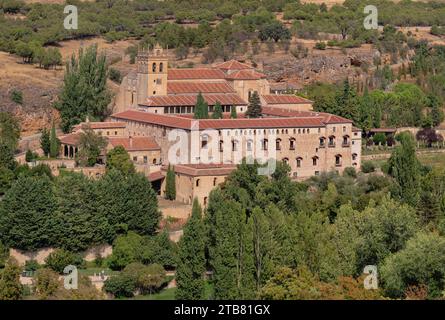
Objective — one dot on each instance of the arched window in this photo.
(153, 67)
(197, 182)
(264, 144)
(354, 156)
(204, 141)
(214, 181)
(249, 145)
(278, 144)
(292, 144)
(346, 141)
(234, 145)
(161, 67)
(299, 160)
(338, 160)
(221, 143)
(322, 142)
(314, 161)
(286, 160)
(154, 161)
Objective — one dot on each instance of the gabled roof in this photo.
(134, 143)
(284, 99)
(190, 100)
(327, 117)
(195, 73)
(196, 87)
(246, 75)
(71, 139)
(233, 65)
(100, 125)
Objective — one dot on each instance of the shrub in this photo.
(61, 258)
(115, 75)
(17, 96)
(350, 172)
(368, 166)
(30, 156)
(122, 285)
(320, 46)
(31, 265)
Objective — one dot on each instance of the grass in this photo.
(435, 160)
(165, 294)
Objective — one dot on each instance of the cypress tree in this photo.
(45, 142)
(10, 287)
(170, 187)
(233, 114)
(54, 143)
(201, 108)
(254, 107)
(191, 262)
(217, 112)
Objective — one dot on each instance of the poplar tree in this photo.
(45, 142)
(217, 112)
(54, 143)
(201, 108)
(191, 260)
(254, 107)
(170, 185)
(233, 114)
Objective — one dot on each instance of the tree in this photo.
(147, 279)
(254, 107)
(274, 30)
(29, 156)
(233, 114)
(421, 262)
(217, 112)
(201, 108)
(437, 114)
(9, 130)
(84, 92)
(191, 260)
(10, 287)
(118, 158)
(54, 143)
(7, 157)
(90, 146)
(122, 285)
(46, 283)
(45, 142)
(170, 184)
(379, 139)
(60, 258)
(26, 214)
(404, 167)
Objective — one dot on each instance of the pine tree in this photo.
(254, 107)
(10, 287)
(191, 262)
(217, 112)
(54, 143)
(201, 108)
(233, 114)
(45, 142)
(170, 184)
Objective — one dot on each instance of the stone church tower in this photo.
(152, 69)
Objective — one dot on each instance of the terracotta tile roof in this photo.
(100, 125)
(196, 87)
(190, 100)
(156, 176)
(195, 73)
(134, 143)
(284, 99)
(186, 123)
(281, 112)
(233, 65)
(196, 170)
(355, 129)
(70, 139)
(246, 75)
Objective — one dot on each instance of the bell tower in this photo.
(157, 72)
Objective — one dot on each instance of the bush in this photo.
(30, 156)
(122, 285)
(368, 166)
(115, 75)
(350, 172)
(61, 258)
(320, 46)
(17, 96)
(31, 265)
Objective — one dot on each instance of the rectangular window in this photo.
(145, 159)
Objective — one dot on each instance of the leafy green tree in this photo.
(118, 158)
(170, 185)
(84, 92)
(90, 147)
(217, 112)
(7, 157)
(6, 179)
(54, 143)
(148, 279)
(45, 142)
(47, 283)
(126, 249)
(254, 107)
(159, 249)
(10, 287)
(436, 109)
(191, 260)
(26, 214)
(404, 167)
(60, 258)
(379, 138)
(274, 30)
(120, 286)
(421, 262)
(9, 130)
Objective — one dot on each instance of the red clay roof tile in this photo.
(196, 87)
(284, 99)
(134, 143)
(190, 100)
(195, 73)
